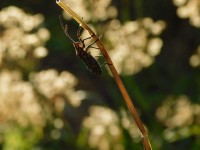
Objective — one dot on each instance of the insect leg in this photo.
(105, 64)
(90, 46)
(94, 47)
(98, 56)
(79, 35)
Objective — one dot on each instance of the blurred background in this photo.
(49, 99)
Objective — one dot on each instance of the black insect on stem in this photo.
(82, 51)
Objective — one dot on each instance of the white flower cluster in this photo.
(23, 101)
(179, 115)
(58, 87)
(93, 10)
(18, 102)
(189, 9)
(134, 44)
(19, 36)
(21, 39)
(104, 128)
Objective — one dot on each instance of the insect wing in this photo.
(91, 63)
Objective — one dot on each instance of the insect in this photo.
(82, 51)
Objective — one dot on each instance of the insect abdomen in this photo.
(91, 63)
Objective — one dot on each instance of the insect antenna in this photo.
(65, 29)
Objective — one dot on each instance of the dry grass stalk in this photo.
(144, 134)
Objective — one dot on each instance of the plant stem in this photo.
(118, 81)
